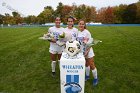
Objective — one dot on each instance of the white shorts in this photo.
(55, 52)
(90, 53)
(55, 49)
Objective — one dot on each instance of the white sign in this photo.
(72, 73)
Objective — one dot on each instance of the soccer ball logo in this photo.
(72, 48)
(72, 87)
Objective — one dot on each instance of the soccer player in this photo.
(84, 37)
(55, 50)
(70, 29)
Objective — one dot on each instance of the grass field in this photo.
(25, 63)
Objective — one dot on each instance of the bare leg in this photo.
(90, 61)
(59, 56)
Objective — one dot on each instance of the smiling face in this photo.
(70, 23)
(57, 21)
(81, 25)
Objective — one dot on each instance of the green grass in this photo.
(25, 62)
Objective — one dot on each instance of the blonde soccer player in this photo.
(84, 37)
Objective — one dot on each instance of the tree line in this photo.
(116, 14)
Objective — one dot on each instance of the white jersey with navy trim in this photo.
(82, 35)
(74, 32)
(56, 32)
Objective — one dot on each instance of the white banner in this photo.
(72, 73)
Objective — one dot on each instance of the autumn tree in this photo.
(66, 12)
(17, 18)
(109, 15)
(93, 14)
(138, 13)
(30, 19)
(58, 11)
(88, 14)
(117, 14)
(45, 16)
(8, 19)
(1, 19)
(129, 15)
(100, 15)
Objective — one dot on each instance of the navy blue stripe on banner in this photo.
(72, 78)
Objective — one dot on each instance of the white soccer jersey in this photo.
(73, 32)
(56, 32)
(82, 36)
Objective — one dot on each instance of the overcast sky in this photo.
(34, 7)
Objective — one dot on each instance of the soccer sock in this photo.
(53, 66)
(87, 70)
(94, 72)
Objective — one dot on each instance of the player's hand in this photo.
(52, 40)
(86, 52)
